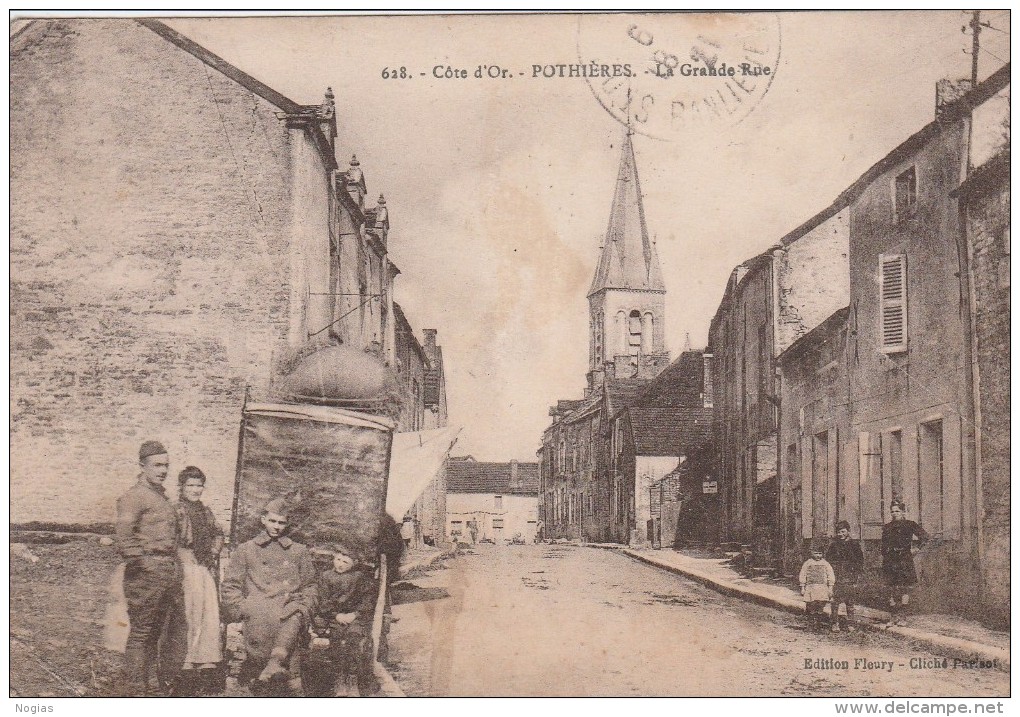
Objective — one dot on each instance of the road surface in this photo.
(548, 620)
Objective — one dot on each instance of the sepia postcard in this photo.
(511, 355)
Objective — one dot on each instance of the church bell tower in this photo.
(627, 298)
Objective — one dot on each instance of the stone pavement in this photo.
(945, 634)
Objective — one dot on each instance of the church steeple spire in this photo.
(629, 259)
(627, 299)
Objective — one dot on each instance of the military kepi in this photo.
(151, 448)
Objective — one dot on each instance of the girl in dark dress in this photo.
(898, 559)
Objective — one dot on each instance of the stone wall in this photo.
(149, 259)
(988, 234)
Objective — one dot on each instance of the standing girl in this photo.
(898, 559)
(200, 545)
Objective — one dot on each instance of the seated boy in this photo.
(270, 586)
(347, 596)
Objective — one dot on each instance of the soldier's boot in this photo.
(134, 678)
(275, 669)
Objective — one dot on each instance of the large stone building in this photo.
(180, 233)
(769, 302)
(626, 349)
(882, 400)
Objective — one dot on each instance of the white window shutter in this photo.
(892, 270)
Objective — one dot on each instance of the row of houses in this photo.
(642, 426)
(183, 238)
(863, 357)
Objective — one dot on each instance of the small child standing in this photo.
(816, 582)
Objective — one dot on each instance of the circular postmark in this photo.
(670, 72)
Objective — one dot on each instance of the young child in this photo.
(347, 596)
(847, 561)
(816, 581)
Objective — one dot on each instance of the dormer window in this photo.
(905, 191)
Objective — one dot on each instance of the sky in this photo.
(499, 190)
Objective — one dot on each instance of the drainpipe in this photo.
(971, 405)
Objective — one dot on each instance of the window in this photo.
(706, 395)
(906, 194)
(634, 333)
(498, 502)
(892, 270)
(892, 465)
(763, 364)
(931, 472)
(497, 524)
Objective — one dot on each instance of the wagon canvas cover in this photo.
(331, 465)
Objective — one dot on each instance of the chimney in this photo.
(948, 91)
(514, 475)
(430, 342)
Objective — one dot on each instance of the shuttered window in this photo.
(892, 270)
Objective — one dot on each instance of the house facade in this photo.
(770, 301)
(814, 428)
(491, 501)
(984, 201)
(881, 401)
(652, 437)
(430, 508)
(132, 316)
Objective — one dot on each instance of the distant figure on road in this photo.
(816, 581)
(270, 586)
(898, 550)
(847, 561)
(147, 538)
(407, 531)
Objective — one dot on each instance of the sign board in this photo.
(709, 486)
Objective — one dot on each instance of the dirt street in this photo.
(563, 620)
(57, 608)
(522, 620)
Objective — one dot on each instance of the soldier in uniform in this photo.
(147, 539)
(270, 586)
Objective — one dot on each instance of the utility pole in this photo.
(975, 46)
